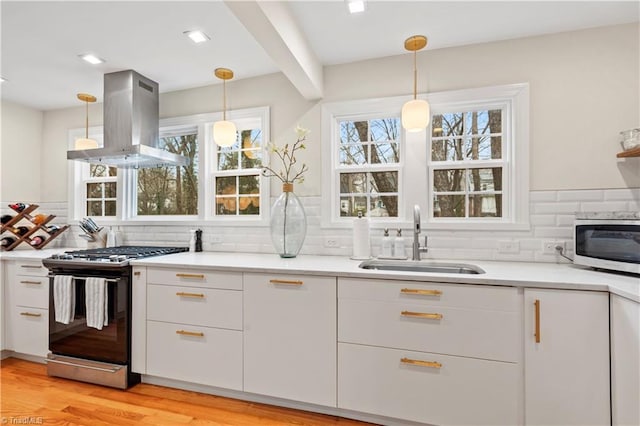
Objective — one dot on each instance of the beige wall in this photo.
(20, 153)
(584, 90)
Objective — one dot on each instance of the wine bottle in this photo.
(18, 206)
(37, 240)
(7, 241)
(21, 230)
(6, 218)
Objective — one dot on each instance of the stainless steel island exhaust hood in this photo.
(131, 111)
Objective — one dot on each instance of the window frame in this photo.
(416, 174)
(126, 200)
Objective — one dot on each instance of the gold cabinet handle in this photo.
(537, 308)
(198, 276)
(431, 364)
(289, 282)
(421, 292)
(31, 266)
(136, 273)
(421, 315)
(30, 314)
(190, 333)
(30, 282)
(195, 295)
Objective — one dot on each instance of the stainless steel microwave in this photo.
(608, 241)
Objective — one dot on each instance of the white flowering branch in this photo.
(287, 156)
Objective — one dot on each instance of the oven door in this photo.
(110, 344)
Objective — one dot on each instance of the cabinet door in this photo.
(625, 361)
(290, 337)
(566, 357)
(30, 330)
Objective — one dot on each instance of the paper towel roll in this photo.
(361, 239)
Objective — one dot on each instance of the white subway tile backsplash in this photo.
(552, 216)
(593, 195)
(564, 207)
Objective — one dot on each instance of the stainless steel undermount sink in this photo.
(421, 266)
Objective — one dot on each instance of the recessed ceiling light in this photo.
(91, 58)
(355, 6)
(197, 36)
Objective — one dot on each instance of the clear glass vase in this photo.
(288, 223)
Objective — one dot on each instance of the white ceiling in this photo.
(41, 40)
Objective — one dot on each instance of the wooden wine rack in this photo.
(26, 238)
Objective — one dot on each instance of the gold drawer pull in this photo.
(136, 273)
(537, 332)
(190, 333)
(421, 292)
(196, 295)
(30, 314)
(31, 266)
(421, 315)
(30, 282)
(290, 282)
(432, 364)
(199, 276)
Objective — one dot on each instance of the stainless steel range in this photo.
(90, 313)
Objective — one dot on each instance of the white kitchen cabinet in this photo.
(430, 352)
(27, 309)
(625, 361)
(193, 325)
(566, 355)
(426, 387)
(290, 337)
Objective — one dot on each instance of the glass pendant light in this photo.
(86, 143)
(224, 132)
(415, 113)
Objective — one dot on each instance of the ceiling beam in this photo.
(273, 26)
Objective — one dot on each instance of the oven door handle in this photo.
(106, 370)
(73, 277)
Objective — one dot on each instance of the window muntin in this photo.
(171, 190)
(369, 164)
(467, 164)
(237, 176)
(100, 191)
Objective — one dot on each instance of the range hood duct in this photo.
(131, 111)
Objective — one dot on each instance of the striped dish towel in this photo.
(64, 298)
(96, 302)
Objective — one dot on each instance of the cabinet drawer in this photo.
(436, 294)
(198, 306)
(195, 278)
(203, 355)
(31, 269)
(444, 390)
(29, 330)
(456, 331)
(31, 291)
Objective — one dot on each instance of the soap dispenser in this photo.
(387, 244)
(398, 245)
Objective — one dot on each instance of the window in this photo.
(218, 184)
(101, 190)
(467, 164)
(237, 174)
(368, 165)
(171, 190)
(468, 170)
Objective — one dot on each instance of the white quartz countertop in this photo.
(518, 274)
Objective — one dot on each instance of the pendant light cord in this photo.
(415, 75)
(224, 100)
(86, 124)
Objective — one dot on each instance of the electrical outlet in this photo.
(507, 246)
(331, 242)
(549, 247)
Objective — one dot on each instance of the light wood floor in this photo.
(29, 396)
